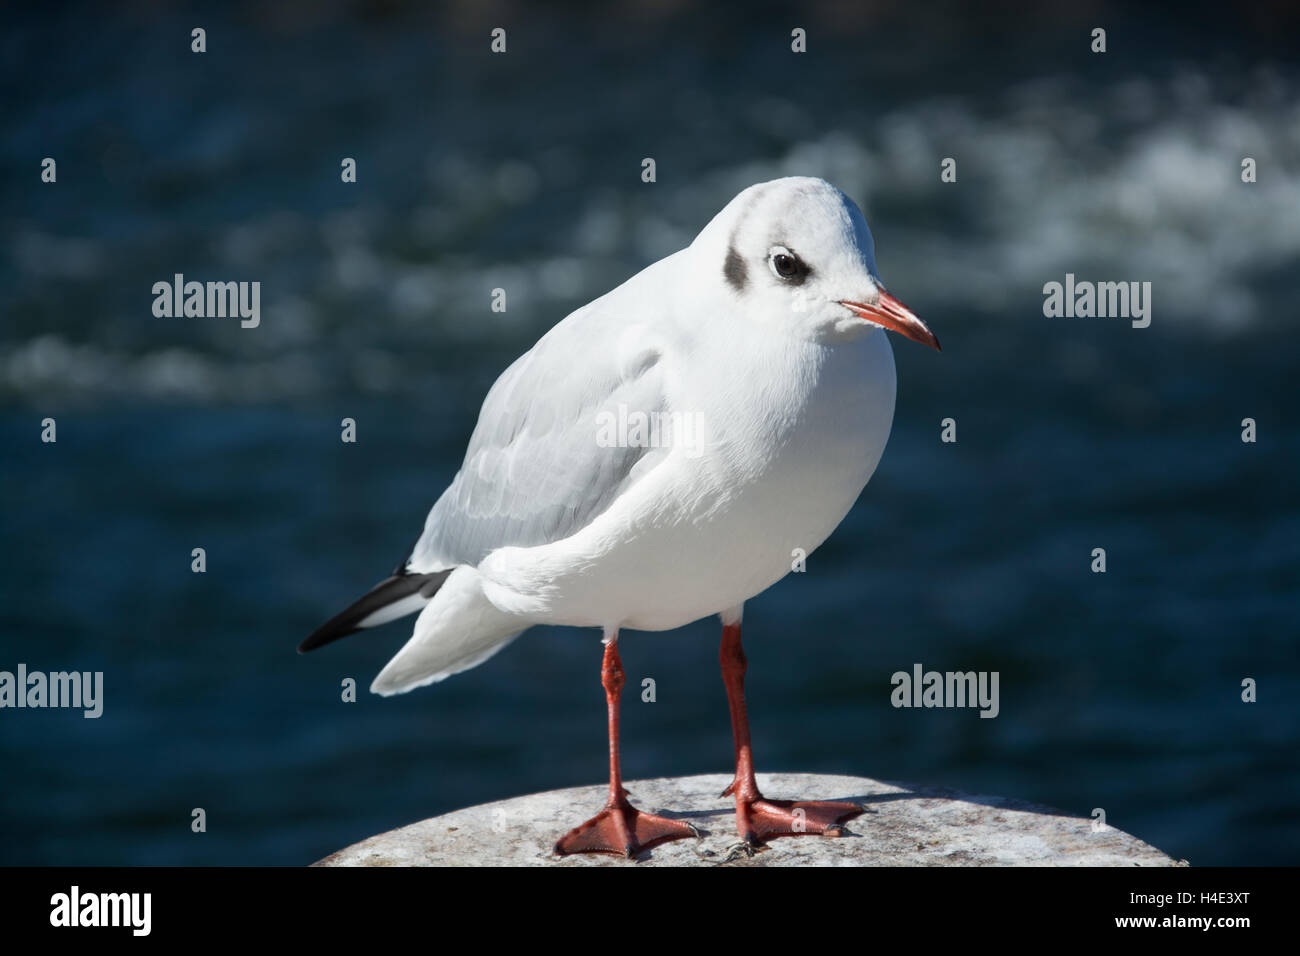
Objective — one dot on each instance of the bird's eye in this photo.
(786, 265)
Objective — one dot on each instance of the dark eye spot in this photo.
(734, 270)
(788, 266)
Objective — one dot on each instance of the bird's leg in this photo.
(758, 818)
(620, 828)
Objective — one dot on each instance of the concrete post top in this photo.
(903, 826)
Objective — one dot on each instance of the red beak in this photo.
(889, 313)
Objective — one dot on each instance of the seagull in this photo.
(656, 458)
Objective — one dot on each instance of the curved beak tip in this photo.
(888, 313)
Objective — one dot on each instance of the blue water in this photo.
(1119, 691)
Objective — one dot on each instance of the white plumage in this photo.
(661, 455)
(796, 394)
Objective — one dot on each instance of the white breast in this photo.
(795, 433)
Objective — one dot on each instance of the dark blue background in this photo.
(521, 171)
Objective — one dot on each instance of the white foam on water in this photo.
(1138, 181)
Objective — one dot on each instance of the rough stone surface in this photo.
(903, 826)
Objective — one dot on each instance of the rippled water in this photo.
(1119, 691)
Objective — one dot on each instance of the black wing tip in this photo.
(327, 633)
(387, 591)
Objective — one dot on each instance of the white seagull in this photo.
(656, 458)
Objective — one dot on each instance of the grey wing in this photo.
(535, 472)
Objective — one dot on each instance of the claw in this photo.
(738, 850)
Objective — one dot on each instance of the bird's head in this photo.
(796, 254)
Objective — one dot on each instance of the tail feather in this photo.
(388, 600)
(459, 630)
